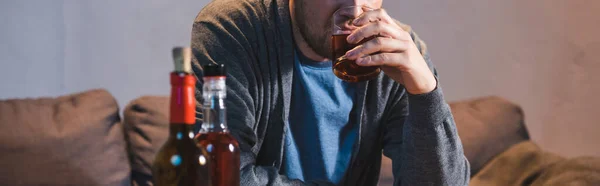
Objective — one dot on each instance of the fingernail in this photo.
(360, 61)
(350, 39)
(350, 54)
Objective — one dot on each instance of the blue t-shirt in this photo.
(320, 138)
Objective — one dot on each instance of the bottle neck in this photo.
(183, 104)
(214, 93)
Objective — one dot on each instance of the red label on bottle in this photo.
(183, 102)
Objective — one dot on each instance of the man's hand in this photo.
(393, 50)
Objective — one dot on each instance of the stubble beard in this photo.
(316, 34)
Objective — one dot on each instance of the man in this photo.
(299, 125)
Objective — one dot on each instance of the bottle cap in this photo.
(213, 69)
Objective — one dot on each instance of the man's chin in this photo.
(321, 50)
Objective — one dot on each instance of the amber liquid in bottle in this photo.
(225, 155)
(348, 70)
(179, 162)
(222, 147)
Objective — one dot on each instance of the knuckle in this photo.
(405, 41)
(379, 25)
(378, 28)
(383, 57)
(405, 45)
(368, 59)
(374, 58)
(378, 41)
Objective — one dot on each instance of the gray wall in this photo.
(54, 47)
(540, 53)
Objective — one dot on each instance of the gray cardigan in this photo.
(253, 39)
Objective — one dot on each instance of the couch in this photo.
(82, 139)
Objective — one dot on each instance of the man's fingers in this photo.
(387, 59)
(377, 44)
(374, 29)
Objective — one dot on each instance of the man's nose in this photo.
(359, 3)
(350, 11)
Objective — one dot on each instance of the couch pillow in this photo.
(75, 139)
(146, 122)
(521, 164)
(526, 164)
(488, 126)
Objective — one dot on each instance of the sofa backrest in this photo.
(487, 126)
(147, 128)
(76, 139)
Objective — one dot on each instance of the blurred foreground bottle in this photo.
(180, 162)
(214, 136)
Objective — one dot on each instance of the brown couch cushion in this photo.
(70, 140)
(579, 171)
(147, 128)
(488, 126)
(526, 164)
(518, 165)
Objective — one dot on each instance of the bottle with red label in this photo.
(180, 162)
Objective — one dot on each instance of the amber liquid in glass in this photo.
(224, 154)
(348, 70)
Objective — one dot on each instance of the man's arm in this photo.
(223, 33)
(422, 140)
